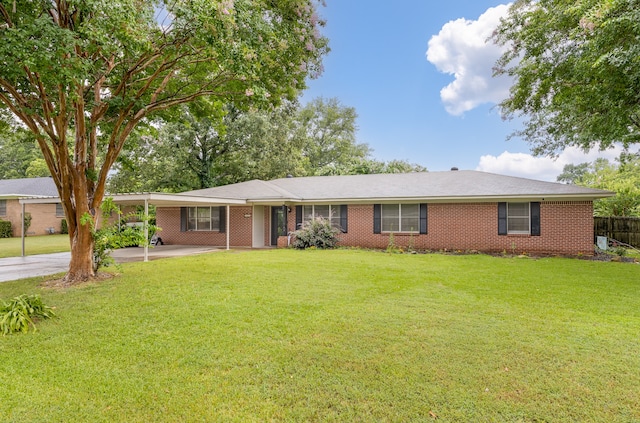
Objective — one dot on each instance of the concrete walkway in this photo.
(13, 268)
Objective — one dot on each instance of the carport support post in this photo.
(228, 224)
(146, 229)
(22, 216)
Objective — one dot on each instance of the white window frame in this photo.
(3, 207)
(59, 210)
(416, 226)
(513, 216)
(193, 219)
(334, 213)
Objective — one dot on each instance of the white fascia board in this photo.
(466, 199)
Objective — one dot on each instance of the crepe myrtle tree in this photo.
(82, 74)
(575, 70)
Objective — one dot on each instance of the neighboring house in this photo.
(454, 210)
(45, 217)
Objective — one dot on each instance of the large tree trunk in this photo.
(81, 264)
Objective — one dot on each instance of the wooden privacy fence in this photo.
(623, 229)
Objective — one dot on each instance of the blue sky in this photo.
(435, 109)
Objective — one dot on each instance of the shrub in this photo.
(27, 223)
(317, 233)
(5, 229)
(19, 314)
(64, 228)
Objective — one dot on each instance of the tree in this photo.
(327, 131)
(20, 154)
(364, 166)
(575, 69)
(622, 178)
(81, 75)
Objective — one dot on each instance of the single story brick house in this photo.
(46, 217)
(453, 210)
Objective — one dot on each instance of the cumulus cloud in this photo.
(541, 168)
(462, 49)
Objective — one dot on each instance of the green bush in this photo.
(317, 233)
(5, 229)
(19, 314)
(64, 228)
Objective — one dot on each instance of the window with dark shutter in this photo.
(298, 217)
(344, 223)
(377, 218)
(223, 218)
(183, 219)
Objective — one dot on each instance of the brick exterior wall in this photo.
(43, 217)
(566, 228)
(168, 218)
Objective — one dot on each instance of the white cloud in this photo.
(541, 168)
(462, 49)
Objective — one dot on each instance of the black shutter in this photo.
(502, 218)
(344, 218)
(377, 218)
(223, 219)
(423, 218)
(183, 219)
(535, 219)
(298, 217)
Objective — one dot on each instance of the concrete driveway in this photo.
(13, 268)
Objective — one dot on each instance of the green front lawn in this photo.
(12, 247)
(283, 335)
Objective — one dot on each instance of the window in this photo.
(331, 213)
(411, 218)
(59, 210)
(400, 218)
(3, 207)
(519, 218)
(336, 214)
(203, 218)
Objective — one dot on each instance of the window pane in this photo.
(59, 210)
(390, 217)
(410, 220)
(335, 216)
(518, 209)
(518, 225)
(203, 219)
(3, 207)
(321, 211)
(191, 219)
(307, 213)
(215, 218)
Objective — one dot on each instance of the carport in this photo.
(147, 199)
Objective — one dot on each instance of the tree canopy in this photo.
(81, 75)
(623, 178)
(576, 69)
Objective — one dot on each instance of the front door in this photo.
(278, 223)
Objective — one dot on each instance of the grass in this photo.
(285, 335)
(12, 247)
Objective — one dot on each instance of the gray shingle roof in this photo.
(464, 185)
(28, 187)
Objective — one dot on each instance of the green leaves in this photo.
(20, 313)
(577, 79)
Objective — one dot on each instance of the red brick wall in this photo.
(566, 228)
(168, 218)
(43, 217)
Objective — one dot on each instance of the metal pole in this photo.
(228, 225)
(22, 215)
(145, 222)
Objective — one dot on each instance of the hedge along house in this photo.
(455, 210)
